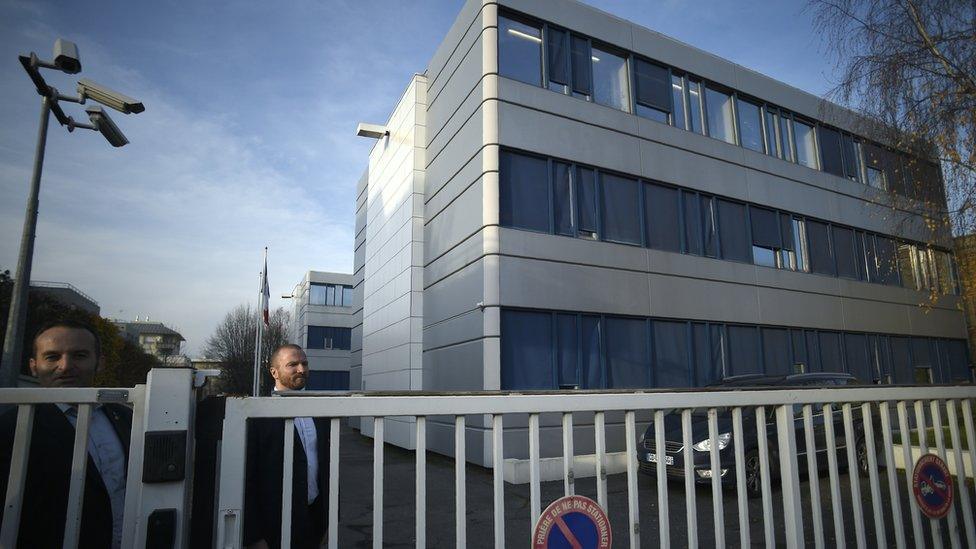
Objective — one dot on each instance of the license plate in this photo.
(668, 460)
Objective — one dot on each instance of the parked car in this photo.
(674, 447)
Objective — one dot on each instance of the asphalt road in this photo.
(356, 488)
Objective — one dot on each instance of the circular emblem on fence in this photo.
(575, 522)
(932, 486)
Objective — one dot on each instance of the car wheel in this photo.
(753, 474)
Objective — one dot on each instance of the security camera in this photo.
(99, 118)
(66, 56)
(108, 97)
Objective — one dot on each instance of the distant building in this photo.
(322, 323)
(66, 294)
(154, 337)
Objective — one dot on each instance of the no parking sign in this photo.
(932, 485)
(575, 522)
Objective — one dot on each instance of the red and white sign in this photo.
(575, 522)
(932, 486)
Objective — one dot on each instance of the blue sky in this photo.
(248, 135)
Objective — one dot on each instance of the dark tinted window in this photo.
(621, 209)
(744, 356)
(818, 243)
(832, 161)
(858, 360)
(627, 353)
(887, 260)
(852, 159)
(844, 252)
(776, 351)
(693, 223)
(586, 191)
(524, 192)
(813, 352)
(567, 351)
(591, 352)
(734, 231)
(526, 350)
(653, 85)
(707, 369)
(661, 217)
(671, 368)
(901, 359)
(765, 228)
(558, 56)
(709, 226)
(329, 337)
(520, 50)
(831, 357)
(750, 126)
(580, 57)
(562, 200)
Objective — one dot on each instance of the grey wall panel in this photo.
(937, 322)
(466, 252)
(463, 81)
(536, 131)
(546, 285)
(465, 176)
(454, 368)
(571, 250)
(682, 297)
(442, 163)
(455, 223)
(455, 294)
(470, 15)
(541, 99)
(463, 327)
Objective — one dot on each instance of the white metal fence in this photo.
(777, 420)
(791, 412)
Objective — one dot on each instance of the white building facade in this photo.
(566, 200)
(322, 320)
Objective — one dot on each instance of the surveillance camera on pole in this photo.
(108, 97)
(66, 60)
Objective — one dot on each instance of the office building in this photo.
(322, 306)
(567, 200)
(155, 338)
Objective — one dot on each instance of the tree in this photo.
(126, 364)
(910, 65)
(232, 343)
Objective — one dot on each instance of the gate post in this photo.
(160, 476)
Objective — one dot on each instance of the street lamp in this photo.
(67, 61)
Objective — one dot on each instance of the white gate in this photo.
(162, 422)
(870, 407)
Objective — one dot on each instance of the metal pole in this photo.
(257, 338)
(17, 319)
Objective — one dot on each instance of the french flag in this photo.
(265, 290)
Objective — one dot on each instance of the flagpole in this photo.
(260, 322)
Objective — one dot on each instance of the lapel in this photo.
(121, 419)
(59, 431)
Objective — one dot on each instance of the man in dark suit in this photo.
(67, 354)
(310, 473)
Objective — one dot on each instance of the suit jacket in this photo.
(44, 509)
(262, 491)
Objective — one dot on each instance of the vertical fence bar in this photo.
(814, 476)
(660, 467)
(941, 449)
(738, 441)
(830, 436)
(718, 511)
(17, 478)
(967, 416)
(232, 461)
(893, 494)
(879, 530)
(764, 480)
(691, 509)
(967, 509)
(789, 475)
(460, 503)
(906, 448)
(498, 462)
(288, 473)
(923, 444)
(420, 505)
(377, 483)
(76, 490)
(334, 434)
(633, 509)
(535, 498)
(569, 466)
(850, 440)
(601, 449)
